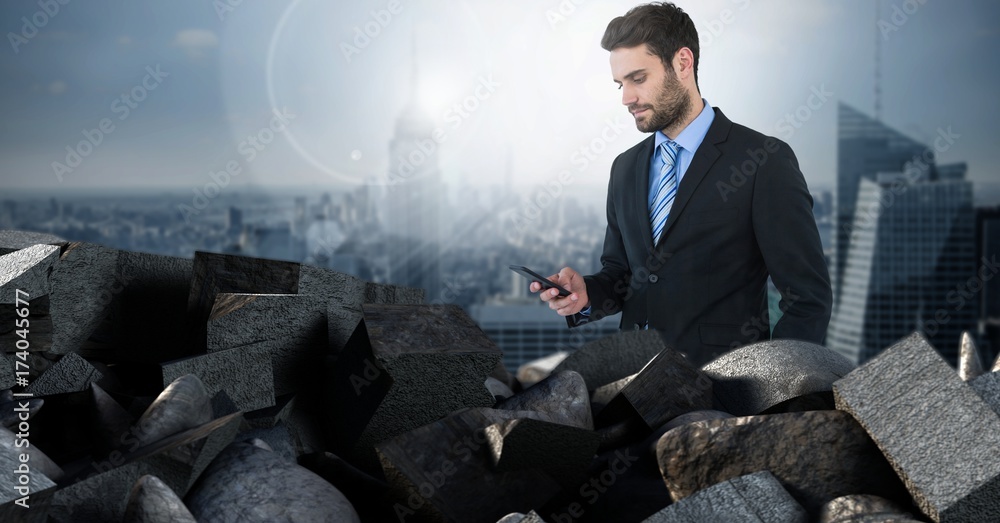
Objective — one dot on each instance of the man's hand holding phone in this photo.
(571, 281)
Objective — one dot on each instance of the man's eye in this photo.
(640, 80)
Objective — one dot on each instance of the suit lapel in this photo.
(642, 162)
(704, 158)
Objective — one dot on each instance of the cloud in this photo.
(124, 40)
(195, 41)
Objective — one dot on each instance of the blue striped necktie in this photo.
(666, 189)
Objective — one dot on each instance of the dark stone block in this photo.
(614, 357)
(757, 497)
(70, 374)
(406, 365)
(563, 451)
(816, 455)
(344, 295)
(243, 373)
(754, 378)
(290, 327)
(246, 483)
(26, 270)
(445, 471)
(82, 289)
(939, 435)
(667, 387)
(224, 273)
(271, 416)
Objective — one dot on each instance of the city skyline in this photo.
(529, 88)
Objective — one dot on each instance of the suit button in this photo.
(636, 327)
(653, 278)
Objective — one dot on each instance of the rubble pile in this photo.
(147, 388)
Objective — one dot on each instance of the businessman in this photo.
(700, 213)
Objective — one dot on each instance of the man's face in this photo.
(651, 91)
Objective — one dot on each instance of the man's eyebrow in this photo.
(631, 75)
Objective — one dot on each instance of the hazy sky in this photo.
(214, 76)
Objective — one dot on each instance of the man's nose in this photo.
(628, 96)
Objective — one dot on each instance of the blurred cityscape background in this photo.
(434, 144)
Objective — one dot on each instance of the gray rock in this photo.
(245, 483)
(816, 455)
(918, 411)
(988, 388)
(757, 497)
(497, 388)
(14, 240)
(562, 394)
(667, 387)
(244, 373)
(26, 270)
(83, 284)
(614, 357)
(182, 405)
(534, 371)
(179, 459)
(271, 416)
(290, 327)
(151, 501)
(70, 374)
(388, 294)
(754, 378)
(653, 439)
(406, 365)
(517, 517)
(970, 364)
(861, 508)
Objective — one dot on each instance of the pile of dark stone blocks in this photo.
(230, 388)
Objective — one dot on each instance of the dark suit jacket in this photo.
(742, 212)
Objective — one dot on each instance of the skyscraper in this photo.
(987, 252)
(865, 147)
(413, 200)
(907, 251)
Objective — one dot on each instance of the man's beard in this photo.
(669, 108)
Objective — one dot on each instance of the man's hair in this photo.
(662, 26)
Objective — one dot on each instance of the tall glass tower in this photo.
(909, 244)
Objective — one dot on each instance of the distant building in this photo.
(908, 262)
(987, 254)
(528, 332)
(865, 147)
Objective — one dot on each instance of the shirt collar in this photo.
(691, 136)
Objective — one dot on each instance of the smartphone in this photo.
(534, 276)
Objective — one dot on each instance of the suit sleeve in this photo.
(789, 242)
(607, 289)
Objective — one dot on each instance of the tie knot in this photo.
(668, 152)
